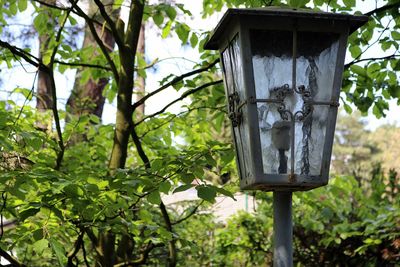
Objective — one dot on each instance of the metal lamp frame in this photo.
(238, 23)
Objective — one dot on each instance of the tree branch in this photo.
(103, 48)
(382, 9)
(371, 44)
(143, 257)
(110, 23)
(60, 154)
(16, 51)
(77, 247)
(14, 261)
(184, 95)
(45, 3)
(171, 244)
(139, 148)
(173, 116)
(134, 25)
(346, 66)
(190, 214)
(174, 81)
(78, 64)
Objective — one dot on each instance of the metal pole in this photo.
(283, 229)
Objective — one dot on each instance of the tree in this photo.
(87, 93)
(98, 202)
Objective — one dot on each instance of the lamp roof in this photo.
(355, 21)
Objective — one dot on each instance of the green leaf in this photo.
(165, 187)
(183, 32)
(154, 198)
(13, 8)
(178, 85)
(22, 5)
(183, 188)
(164, 233)
(194, 40)
(40, 22)
(377, 111)
(37, 234)
(187, 178)
(347, 108)
(207, 193)
(166, 30)
(395, 35)
(171, 12)
(72, 20)
(59, 250)
(28, 213)
(349, 3)
(355, 51)
(40, 245)
(358, 70)
(224, 192)
(386, 45)
(24, 91)
(158, 18)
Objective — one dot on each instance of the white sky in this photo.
(171, 50)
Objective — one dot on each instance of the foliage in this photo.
(357, 150)
(342, 224)
(97, 201)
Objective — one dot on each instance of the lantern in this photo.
(282, 70)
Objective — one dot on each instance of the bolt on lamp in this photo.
(282, 71)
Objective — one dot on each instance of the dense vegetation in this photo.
(77, 192)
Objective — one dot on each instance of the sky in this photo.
(177, 59)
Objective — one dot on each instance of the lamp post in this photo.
(282, 71)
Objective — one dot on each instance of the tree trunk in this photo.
(88, 98)
(43, 92)
(141, 81)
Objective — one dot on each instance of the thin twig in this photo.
(99, 42)
(3, 205)
(191, 213)
(25, 55)
(80, 64)
(183, 96)
(174, 81)
(110, 23)
(60, 154)
(373, 43)
(171, 244)
(14, 261)
(174, 116)
(346, 66)
(383, 8)
(77, 247)
(26, 100)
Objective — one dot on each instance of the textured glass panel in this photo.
(272, 67)
(315, 69)
(233, 72)
(316, 63)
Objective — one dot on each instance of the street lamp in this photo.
(283, 70)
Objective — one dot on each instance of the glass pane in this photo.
(315, 69)
(233, 74)
(316, 63)
(272, 67)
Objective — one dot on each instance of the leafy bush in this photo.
(342, 224)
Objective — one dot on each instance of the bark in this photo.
(141, 81)
(127, 55)
(87, 98)
(43, 92)
(127, 45)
